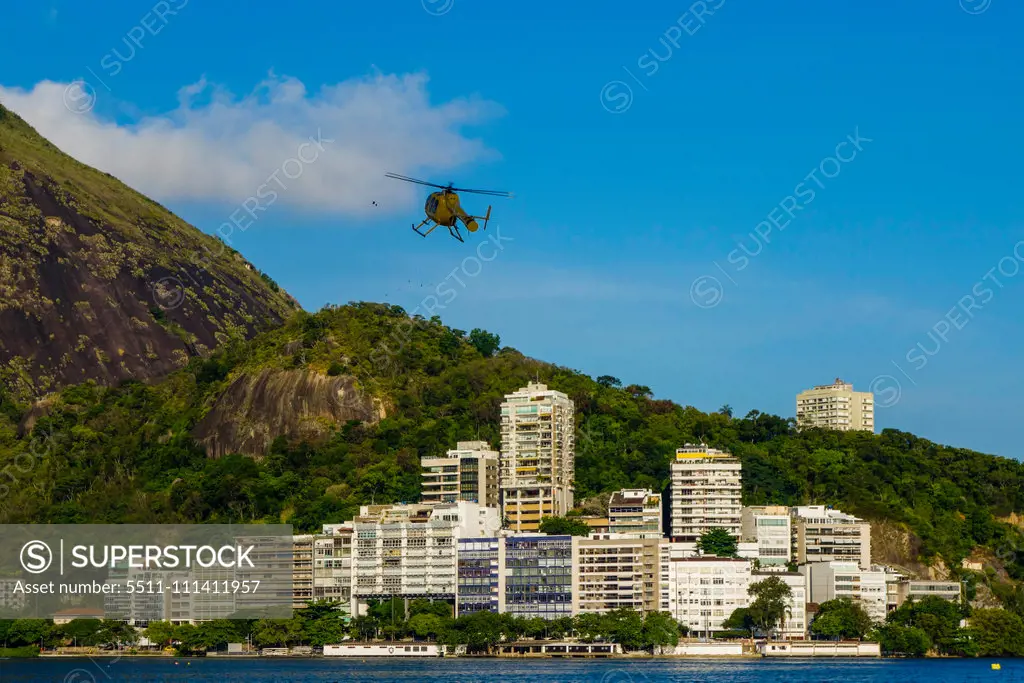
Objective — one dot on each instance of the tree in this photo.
(740, 620)
(770, 602)
(997, 633)
(426, 625)
(82, 631)
(938, 618)
(161, 633)
(608, 381)
(717, 542)
(484, 342)
(116, 633)
(626, 628)
(725, 410)
(841, 618)
(904, 641)
(660, 629)
(564, 526)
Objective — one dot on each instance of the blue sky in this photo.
(616, 213)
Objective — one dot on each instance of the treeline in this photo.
(321, 623)
(126, 454)
(31, 634)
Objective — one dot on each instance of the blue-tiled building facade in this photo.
(538, 576)
(478, 575)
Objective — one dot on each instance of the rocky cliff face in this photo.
(297, 404)
(99, 282)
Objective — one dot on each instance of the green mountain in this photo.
(99, 282)
(307, 421)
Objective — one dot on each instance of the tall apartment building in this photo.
(537, 455)
(823, 534)
(770, 527)
(836, 406)
(469, 472)
(332, 565)
(410, 550)
(302, 574)
(481, 576)
(635, 513)
(617, 572)
(705, 493)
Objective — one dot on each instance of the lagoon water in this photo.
(103, 670)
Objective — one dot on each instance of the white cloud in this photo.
(216, 147)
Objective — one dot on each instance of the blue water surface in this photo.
(100, 670)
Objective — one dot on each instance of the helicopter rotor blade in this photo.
(413, 180)
(493, 193)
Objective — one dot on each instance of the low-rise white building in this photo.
(870, 587)
(704, 591)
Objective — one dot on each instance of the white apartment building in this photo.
(332, 565)
(537, 463)
(872, 587)
(635, 513)
(917, 589)
(770, 527)
(468, 472)
(836, 406)
(613, 571)
(823, 534)
(410, 550)
(704, 591)
(705, 492)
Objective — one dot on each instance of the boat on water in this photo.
(383, 650)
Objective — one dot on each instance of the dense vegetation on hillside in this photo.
(125, 454)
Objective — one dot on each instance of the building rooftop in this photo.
(633, 497)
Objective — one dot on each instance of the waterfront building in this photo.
(538, 576)
(480, 575)
(332, 565)
(528, 575)
(870, 587)
(409, 551)
(704, 591)
(613, 572)
(537, 462)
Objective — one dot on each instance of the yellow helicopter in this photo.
(442, 208)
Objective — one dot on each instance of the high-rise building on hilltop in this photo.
(836, 406)
(537, 455)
